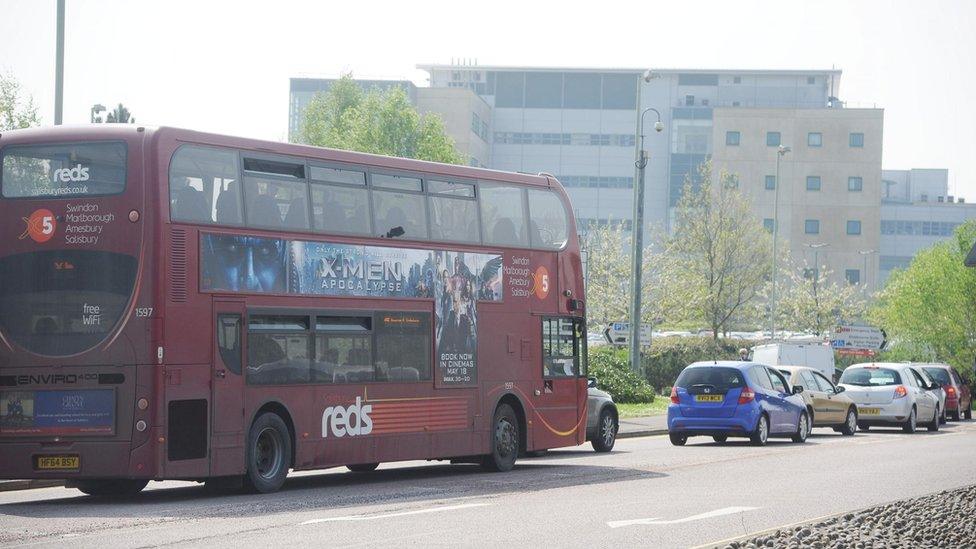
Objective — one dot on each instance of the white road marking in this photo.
(349, 518)
(654, 520)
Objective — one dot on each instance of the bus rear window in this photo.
(67, 170)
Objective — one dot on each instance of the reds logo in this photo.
(40, 226)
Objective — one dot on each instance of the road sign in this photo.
(618, 333)
(858, 337)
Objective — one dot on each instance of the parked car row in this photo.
(723, 399)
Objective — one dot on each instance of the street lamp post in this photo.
(59, 66)
(637, 227)
(780, 153)
(865, 254)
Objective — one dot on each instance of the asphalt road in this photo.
(645, 492)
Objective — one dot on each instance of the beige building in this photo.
(467, 119)
(830, 181)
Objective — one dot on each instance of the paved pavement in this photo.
(646, 492)
(643, 426)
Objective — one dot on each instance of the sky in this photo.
(223, 66)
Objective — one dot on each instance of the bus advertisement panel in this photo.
(455, 280)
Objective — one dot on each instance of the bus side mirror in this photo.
(591, 382)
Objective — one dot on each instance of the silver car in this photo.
(602, 420)
(892, 394)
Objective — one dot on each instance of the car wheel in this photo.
(363, 467)
(911, 424)
(606, 436)
(678, 439)
(954, 416)
(504, 441)
(969, 411)
(268, 453)
(850, 426)
(720, 439)
(802, 428)
(760, 436)
(117, 487)
(863, 427)
(936, 421)
(943, 418)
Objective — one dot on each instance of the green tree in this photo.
(930, 307)
(120, 115)
(717, 262)
(17, 111)
(379, 122)
(811, 301)
(607, 274)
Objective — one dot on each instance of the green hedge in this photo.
(667, 356)
(611, 368)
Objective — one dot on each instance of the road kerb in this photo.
(12, 485)
(642, 433)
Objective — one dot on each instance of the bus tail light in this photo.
(674, 396)
(900, 391)
(746, 396)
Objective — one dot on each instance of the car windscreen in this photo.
(721, 378)
(63, 171)
(870, 377)
(939, 374)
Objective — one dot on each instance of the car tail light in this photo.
(674, 396)
(950, 391)
(746, 396)
(900, 391)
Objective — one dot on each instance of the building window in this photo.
(814, 139)
(811, 226)
(689, 100)
(811, 80)
(770, 182)
(853, 276)
(769, 224)
(736, 104)
(853, 227)
(737, 80)
(811, 273)
(772, 139)
(732, 139)
(857, 139)
(813, 182)
(855, 184)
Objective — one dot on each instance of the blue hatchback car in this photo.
(725, 399)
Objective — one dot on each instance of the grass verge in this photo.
(659, 406)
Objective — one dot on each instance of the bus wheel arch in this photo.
(519, 410)
(279, 409)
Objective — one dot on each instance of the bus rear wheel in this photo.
(504, 441)
(268, 453)
(118, 487)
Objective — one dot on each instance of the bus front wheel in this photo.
(118, 487)
(504, 447)
(268, 453)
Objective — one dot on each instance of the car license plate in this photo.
(58, 463)
(869, 411)
(709, 398)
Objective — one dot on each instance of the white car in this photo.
(892, 394)
(941, 392)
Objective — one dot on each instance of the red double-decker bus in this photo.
(182, 305)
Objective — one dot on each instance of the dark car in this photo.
(959, 399)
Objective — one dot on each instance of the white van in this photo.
(814, 355)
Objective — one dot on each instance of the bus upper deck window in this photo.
(204, 186)
(503, 215)
(548, 227)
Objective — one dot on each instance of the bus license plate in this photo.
(709, 398)
(869, 411)
(48, 463)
